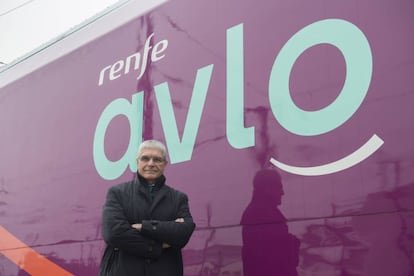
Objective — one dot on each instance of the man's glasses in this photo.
(156, 160)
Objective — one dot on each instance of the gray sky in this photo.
(28, 24)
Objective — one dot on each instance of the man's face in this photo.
(151, 164)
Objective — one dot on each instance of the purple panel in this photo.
(357, 221)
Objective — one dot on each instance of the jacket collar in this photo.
(158, 183)
(159, 186)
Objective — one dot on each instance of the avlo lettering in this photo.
(340, 33)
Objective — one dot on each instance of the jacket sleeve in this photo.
(176, 234)
(118, 233)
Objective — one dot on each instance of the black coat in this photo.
(130, 252)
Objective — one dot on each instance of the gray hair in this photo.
(152, 144)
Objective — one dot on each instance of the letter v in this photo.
(181, 150)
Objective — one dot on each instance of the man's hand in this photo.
(137, 226)
(166, 245)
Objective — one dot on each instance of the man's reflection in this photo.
(268, 247)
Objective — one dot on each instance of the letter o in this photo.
(355, 48)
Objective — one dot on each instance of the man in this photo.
(145, 223)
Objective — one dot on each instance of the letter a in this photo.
(108, 169)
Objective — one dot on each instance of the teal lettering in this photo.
(181, 150)
(343, 35)
(237, 135)
(108, 169)
(357, 54)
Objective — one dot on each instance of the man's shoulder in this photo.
(176, 192)
(122, 186)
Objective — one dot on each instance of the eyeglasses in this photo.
(156, 160)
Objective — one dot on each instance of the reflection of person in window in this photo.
(268, 248)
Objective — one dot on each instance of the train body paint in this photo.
(288, 124)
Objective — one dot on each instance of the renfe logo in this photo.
(340, 33)
(120, 67)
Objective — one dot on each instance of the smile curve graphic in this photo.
(352, 159)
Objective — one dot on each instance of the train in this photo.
(288, 124)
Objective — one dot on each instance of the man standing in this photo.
(145, 223)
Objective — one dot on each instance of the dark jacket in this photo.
(130, 252)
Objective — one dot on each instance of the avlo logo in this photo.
(342, 34)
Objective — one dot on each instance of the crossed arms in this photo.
(150, 237)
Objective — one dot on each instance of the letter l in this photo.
(237, 135)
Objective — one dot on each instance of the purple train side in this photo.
(288, 124)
